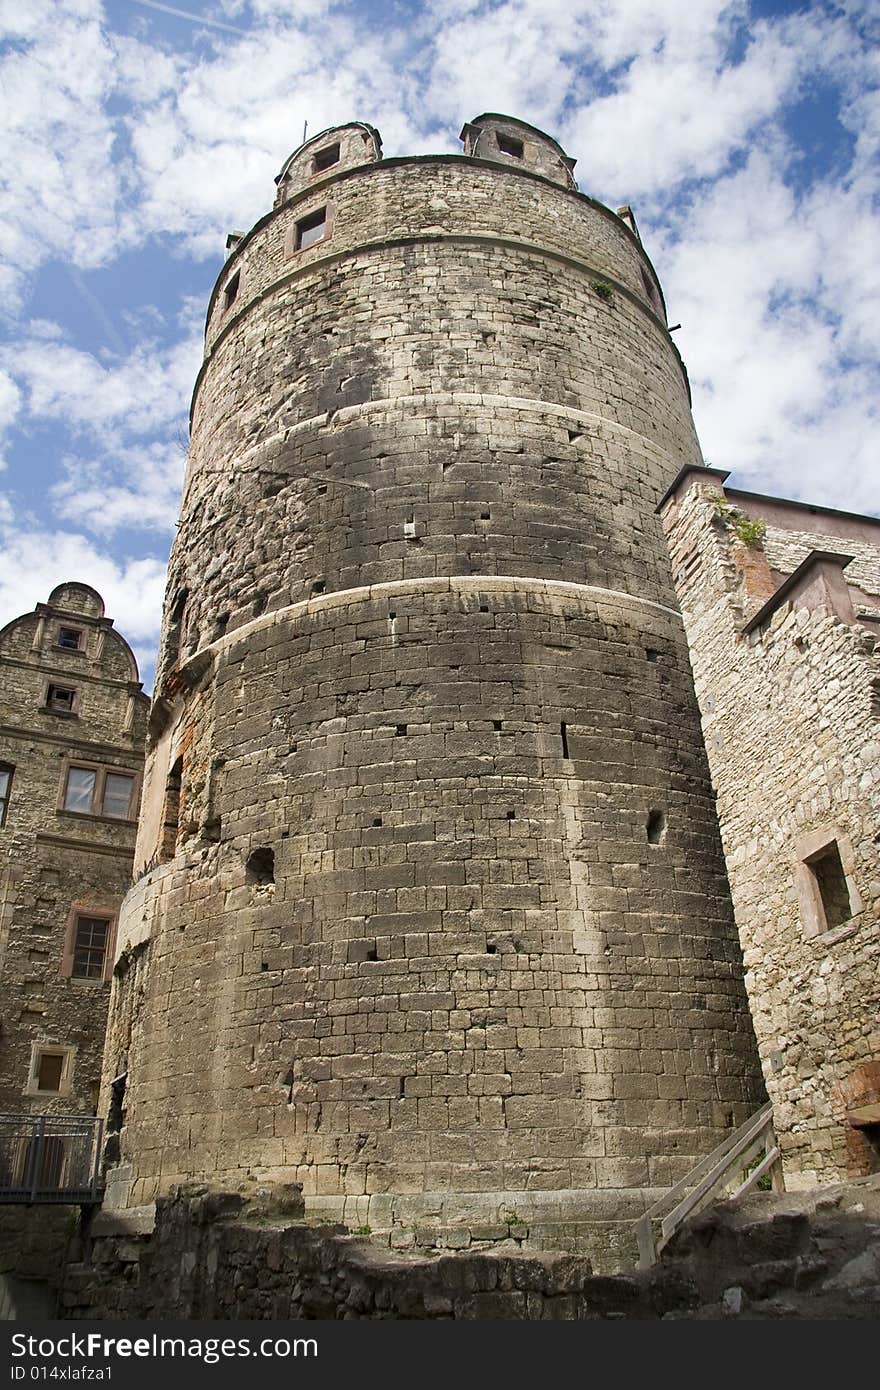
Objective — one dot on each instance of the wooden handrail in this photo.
(708, 1179)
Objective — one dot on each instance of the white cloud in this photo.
(138, 489)
(33, 560)
(780, 335)
(143, 392)
(61, 191)
(10, 404)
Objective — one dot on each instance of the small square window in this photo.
(6, 771)
(507, 145)
(70, 638)
(326, 158)
(60, 699)
(311, 229)
(230, 293)
(51, 1070)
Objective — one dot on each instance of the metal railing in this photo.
(726, 1172)
(50, 1158)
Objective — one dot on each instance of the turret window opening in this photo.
(326, 158)
(508, 145)
(311, 229)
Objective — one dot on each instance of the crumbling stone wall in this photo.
(447, 920)
(790, 715)
(215, 1255)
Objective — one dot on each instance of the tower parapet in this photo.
(506, 140)
(329, 152)
(434, 880)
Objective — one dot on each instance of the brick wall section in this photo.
(792, 737)
(418, 538)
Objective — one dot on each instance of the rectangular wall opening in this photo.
(830, 879)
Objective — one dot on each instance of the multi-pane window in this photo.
(89, 947)
(61, 699)
(6, 771)
(70, 638)
(99, 791)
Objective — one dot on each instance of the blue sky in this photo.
(137, 134)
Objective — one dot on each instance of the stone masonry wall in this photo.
(435, 920)
(52, 861)
(790, 716)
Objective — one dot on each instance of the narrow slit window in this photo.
(311, 229)
(656, 827)
(230, 294)
(326, 158)
(6, 771)
(563, 731)
(171, 815)
(508, 145)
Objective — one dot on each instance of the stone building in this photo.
(781, 603)
(72, 732)
(431, 915)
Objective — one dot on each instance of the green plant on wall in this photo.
(602, 289)
(750, 530)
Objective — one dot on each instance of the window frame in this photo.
(312, 217)
(39, 1050)
(232, 290)
(502, 139)
(65, 646)
(68, 953)
(9, 769)
(49, 708)
(329, 164)
(101, 771)
(809, 849)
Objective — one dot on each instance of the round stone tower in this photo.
(432, 916)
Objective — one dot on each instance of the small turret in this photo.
(337, 148)
(505, 140)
